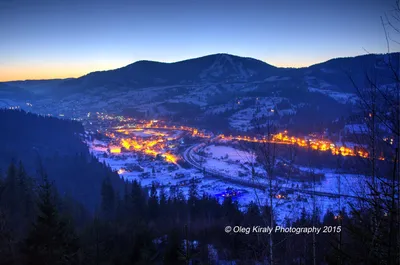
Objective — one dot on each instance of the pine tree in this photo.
(204, 256)
(10, 195)
(173, 249)
(107, 199)
(143, 250)
(193, 199)
(193, 190)
(153, 203)
(7, 253)
(26, 197)
(52, 240)
(137, 201)
(163, 197)
(253, 214)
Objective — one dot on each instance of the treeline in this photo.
(56, 146)
(38, 225)
(23, 134)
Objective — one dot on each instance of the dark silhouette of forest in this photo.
(57, 146)
(59, 205)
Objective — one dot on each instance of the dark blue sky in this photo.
(69, 38)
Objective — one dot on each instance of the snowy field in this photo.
(230, 153)
(248, 118)
(343, 98)
(230, 161)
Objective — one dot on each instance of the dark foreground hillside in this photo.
(55, 146)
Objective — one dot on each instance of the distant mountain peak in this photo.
(220, 67)
(215, 56)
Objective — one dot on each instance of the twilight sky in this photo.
(43, 39)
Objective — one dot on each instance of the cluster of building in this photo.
(123, 128)
(305, 142)
(154, 146)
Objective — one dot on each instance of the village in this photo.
(174, 157)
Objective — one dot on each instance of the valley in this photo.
(172, 156)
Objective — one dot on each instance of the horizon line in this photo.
(193, 58)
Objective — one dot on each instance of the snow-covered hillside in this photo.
(221, 87)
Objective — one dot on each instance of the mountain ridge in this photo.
(215, 90)
(200, 58)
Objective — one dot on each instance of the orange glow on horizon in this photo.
(23, 75)
(53, 70)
